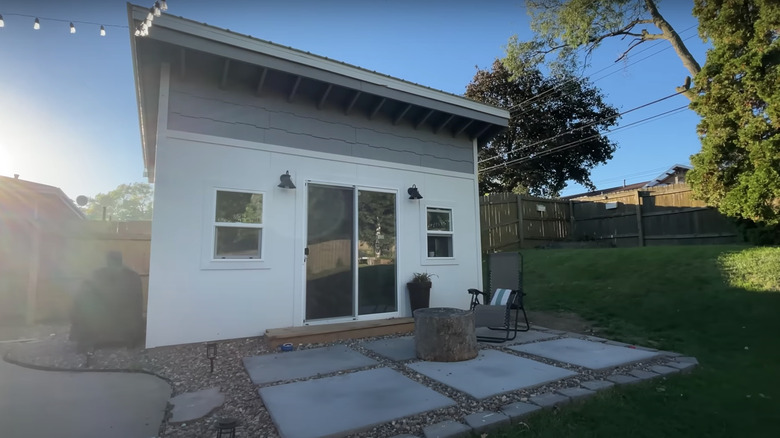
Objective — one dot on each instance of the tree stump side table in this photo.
(443, 334)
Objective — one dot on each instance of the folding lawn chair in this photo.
(502, 313)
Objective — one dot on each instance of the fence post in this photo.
(639, 219)
(520, 220)
(571, 219)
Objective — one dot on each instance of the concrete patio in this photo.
(343, 390)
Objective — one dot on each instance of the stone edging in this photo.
(484, 421)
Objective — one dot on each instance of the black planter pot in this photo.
(419, 295)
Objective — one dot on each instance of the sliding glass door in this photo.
(351, 252)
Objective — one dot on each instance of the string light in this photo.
(142, 29)
(155, 11)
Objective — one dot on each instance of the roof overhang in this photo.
(174, 39)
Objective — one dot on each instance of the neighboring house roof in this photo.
(659, 180)
(175, 40)
(20, 198)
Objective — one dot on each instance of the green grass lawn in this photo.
(718, 303)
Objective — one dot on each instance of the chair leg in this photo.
(527, 324)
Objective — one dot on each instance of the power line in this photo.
(603, 69)
(571, 131)
(583, 140)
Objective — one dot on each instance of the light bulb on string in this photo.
(2, 23)
(37, 24)
(72, 28)
(148, 23)
(163, 5)
(102, 31)
(156, 9)
(150, 15)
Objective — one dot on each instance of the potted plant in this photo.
(420, 290)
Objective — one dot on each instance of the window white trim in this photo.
(209, 259)
(426, 259)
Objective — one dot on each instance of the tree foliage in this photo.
(738, 168)
(127, 202)
(568, 27)
(554, 131)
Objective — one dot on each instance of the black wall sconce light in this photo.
(413, 192)
(211, 353)
(285, 181)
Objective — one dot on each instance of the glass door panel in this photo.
(377, 291)
(330, 262)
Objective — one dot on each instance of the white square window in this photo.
(238, 225)
(439, 231)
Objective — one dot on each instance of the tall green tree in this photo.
(550, 140)
(565, 29)
(738, 168)
(127, 202)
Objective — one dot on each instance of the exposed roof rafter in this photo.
(182, 62)
(377, 108)
(225, 71)
(352, 102)
(294, 88)
(462, 128)
(261, 81)
(443, 124)
(324, 96)
(401, 115)
(423, 119)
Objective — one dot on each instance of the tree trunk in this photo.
(445, 335)
(677, 44)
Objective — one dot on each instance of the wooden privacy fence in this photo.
(53, 263)
(666, 215)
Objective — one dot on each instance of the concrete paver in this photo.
(663, 370)
(61, 404)
(521, 338)
(193, 405)
(684, 367)
(643, 375)
(398, 349)
(484, 421)
(687, 359)
(347, 403)
(491, 373)
(575, 393)
(622, 379)
(597, 385)
(549, 400)
(593, 355)
(447, 429)
(304, 363)
(518, 410)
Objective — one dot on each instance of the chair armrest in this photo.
(476, 292)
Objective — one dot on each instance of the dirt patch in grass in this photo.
(568, 321)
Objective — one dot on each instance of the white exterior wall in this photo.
(192, 300)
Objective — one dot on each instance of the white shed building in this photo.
(237, 246)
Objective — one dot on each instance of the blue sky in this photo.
(68, 113)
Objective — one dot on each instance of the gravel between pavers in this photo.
(187, 369)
